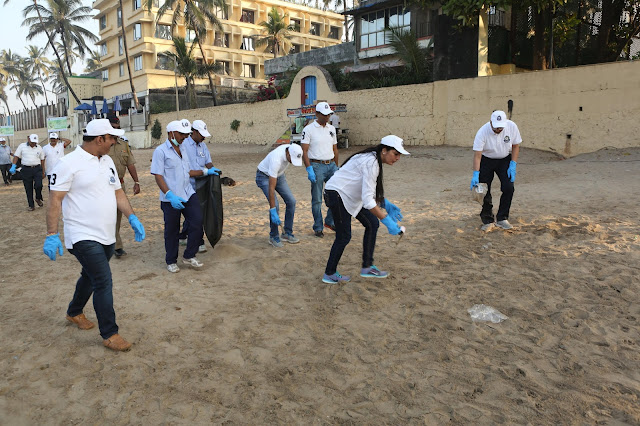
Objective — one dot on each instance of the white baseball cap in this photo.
(394, 142)
(124, 138)
(295, 152)
(2, 139)
(498, 119)
(182, 126)
(33, 138)
(323, 108)
(201, 127)
(53, 135)
(101, 127)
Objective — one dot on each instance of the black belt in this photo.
(37, 165)
(321, 161)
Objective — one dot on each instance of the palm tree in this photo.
(186, 66)
(27, 83)
(3, 85)
(11, 64)
(94, 62)
(50, 43)
(40, 65)
(196, 15)
(61, 19)
(57, 81)
(417, 60)
(276, 33)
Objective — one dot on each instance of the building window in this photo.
(103, 22)
(247, 44)
(221, 13)
(120, 46)
(165, 63)
(314, 29)
(103, 49)
(224, 67)
(119, 14)
(372, 25)
(247, 16)
(295, 48)
(221, 40)
(163, 31)
(334, 33)
(297, 23)
(190, 36)
(121, 68)
(249, 70)
(137, 4)
(137, 31)
(137, 63)
(105, 75)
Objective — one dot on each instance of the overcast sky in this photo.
(13, 36)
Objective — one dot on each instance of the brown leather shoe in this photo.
(40, 203)
(117, 343)
(81, 321)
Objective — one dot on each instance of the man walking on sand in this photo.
(53, 152)
(31, 157)
(320, 157)
(496, 148)
(85, 188)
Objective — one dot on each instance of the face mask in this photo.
(173, 140)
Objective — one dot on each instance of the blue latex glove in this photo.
(213, 171)
(311, 174)
(393, 210)
(511, 171)
(52, 244)
(137, 227)
(391, 225)
(12, 170)
(273, 214)
(475, 180)
(176, 202)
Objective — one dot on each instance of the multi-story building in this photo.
(233, 48)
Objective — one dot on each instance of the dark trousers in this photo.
(489, 166)
(185, 232)
(191, 213)
(32, 179)
(342, 221)
(4, 168)
(95, 279)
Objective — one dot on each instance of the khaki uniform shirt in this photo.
(122, 157)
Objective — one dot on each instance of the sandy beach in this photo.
(255, 337)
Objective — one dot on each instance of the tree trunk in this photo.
(50, 40)
(346, 22)
(539, 45)
(46, 98)
(15, 85)
(212, 86)
(66, 50)
(126, 53)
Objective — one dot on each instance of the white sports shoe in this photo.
(202, 249)
(173, 268)
(193, 262)
(487, 226)
(504, 224)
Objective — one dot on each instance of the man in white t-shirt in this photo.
(496, 148)
(335, 122)
(320, 157)
(53, 152)
(271, 179)
(32, 160)
(86, 189)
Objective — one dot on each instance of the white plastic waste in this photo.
(486, 313)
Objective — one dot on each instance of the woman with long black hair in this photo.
(356, 189)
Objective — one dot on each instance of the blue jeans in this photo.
(342, 220)
(95, 278)
(323, 174)
(193, 214)
(282, 188)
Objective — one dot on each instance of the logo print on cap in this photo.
(499, 118)
(185, 124)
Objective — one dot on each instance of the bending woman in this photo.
(356, 190)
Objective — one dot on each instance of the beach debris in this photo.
(486, 313)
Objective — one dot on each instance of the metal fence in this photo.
(36, 118)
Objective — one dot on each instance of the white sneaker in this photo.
(487, 226)
(193, 262)
(202, 249)
(173, 268)
(504, 224)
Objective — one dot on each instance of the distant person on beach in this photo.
(85, 188)
(495, 150)
(53, 152)
(356, 190)
(31, 159)
(5, 161)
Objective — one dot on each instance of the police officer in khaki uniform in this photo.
(123, 159)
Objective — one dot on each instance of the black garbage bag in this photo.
(209, 191)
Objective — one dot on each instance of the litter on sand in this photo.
(486, 313)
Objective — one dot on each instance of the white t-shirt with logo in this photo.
(320, 140)
(497, 145)
(356, 182)
(89, 208)
(52, 154)
(275, 163)
(28, 155)
(335, 120)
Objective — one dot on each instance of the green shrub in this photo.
(234, 125)
(156, 130)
